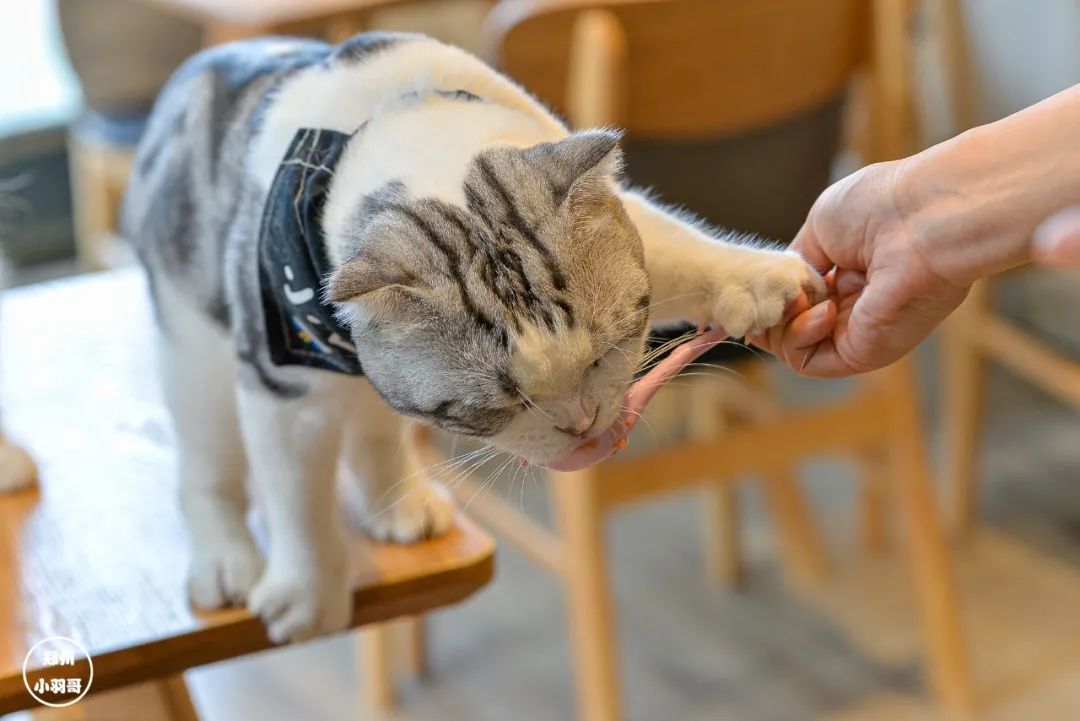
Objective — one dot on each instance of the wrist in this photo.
(972, 203)
(948, 210)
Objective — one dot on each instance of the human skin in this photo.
(903, 241)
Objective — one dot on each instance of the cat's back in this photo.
(190, 183)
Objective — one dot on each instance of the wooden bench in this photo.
(98, 552)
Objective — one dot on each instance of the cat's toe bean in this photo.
(425, 511)
(223, 574)
(295, 606)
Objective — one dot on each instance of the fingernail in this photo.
(819, 311)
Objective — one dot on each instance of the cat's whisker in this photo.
(529, 403)
(455, 463)
(476, 463)
(489, 479)
(642, 419)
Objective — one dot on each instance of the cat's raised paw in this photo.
(762, 289)
(296, 603)
(424, 511)
(222, 574)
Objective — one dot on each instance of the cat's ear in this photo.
(568, 160)
(360, 276)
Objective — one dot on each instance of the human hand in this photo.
(1057, 239)
(886, 293)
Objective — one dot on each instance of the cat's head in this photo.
(517, 315)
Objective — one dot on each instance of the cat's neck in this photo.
(410, 133)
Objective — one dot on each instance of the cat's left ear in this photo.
(360, 277)
(592, 152)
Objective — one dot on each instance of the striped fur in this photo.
(496, 279)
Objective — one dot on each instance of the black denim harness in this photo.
(301, 328)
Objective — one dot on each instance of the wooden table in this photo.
(98, 553)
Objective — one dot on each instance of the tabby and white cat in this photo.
(495, 279)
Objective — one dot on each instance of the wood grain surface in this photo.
(98, 552)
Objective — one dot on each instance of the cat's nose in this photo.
(582, 425)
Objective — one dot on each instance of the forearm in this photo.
(972, 203)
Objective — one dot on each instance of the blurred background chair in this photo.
(980, 333)
(122, 53)
(732, 109)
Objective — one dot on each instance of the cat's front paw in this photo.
(424, 510)
(297, 601)
(752, 297)
(223, 572)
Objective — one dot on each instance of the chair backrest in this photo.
(687, 68)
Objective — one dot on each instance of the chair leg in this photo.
(873, 502)
(805, 559)
(377, 668)
(964, 373)
(91, 203)
(579, 518)
(722, 526)
(804, 551)
(721, 516)
(416, 630)
(947, 658)
(177, 698)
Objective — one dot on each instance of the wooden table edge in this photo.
(245, 635)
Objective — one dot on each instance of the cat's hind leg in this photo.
(198, 378)
(400, 503)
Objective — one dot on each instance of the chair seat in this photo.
(99, 552)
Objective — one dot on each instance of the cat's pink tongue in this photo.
(637, 397)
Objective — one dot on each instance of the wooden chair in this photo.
(96, 553)
(687, 69)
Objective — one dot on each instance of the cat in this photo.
(491, 275)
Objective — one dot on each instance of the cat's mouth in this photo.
(609, 442)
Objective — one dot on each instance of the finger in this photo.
(798, 306)
(804, 329)
(1056, 241)
(804, 333)
(809, 247)
(822, 361)
(849, 282)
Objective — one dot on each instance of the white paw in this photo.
(424, 511)
(752, 297)
(297, 601)
(222, 573)
(17, 469)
